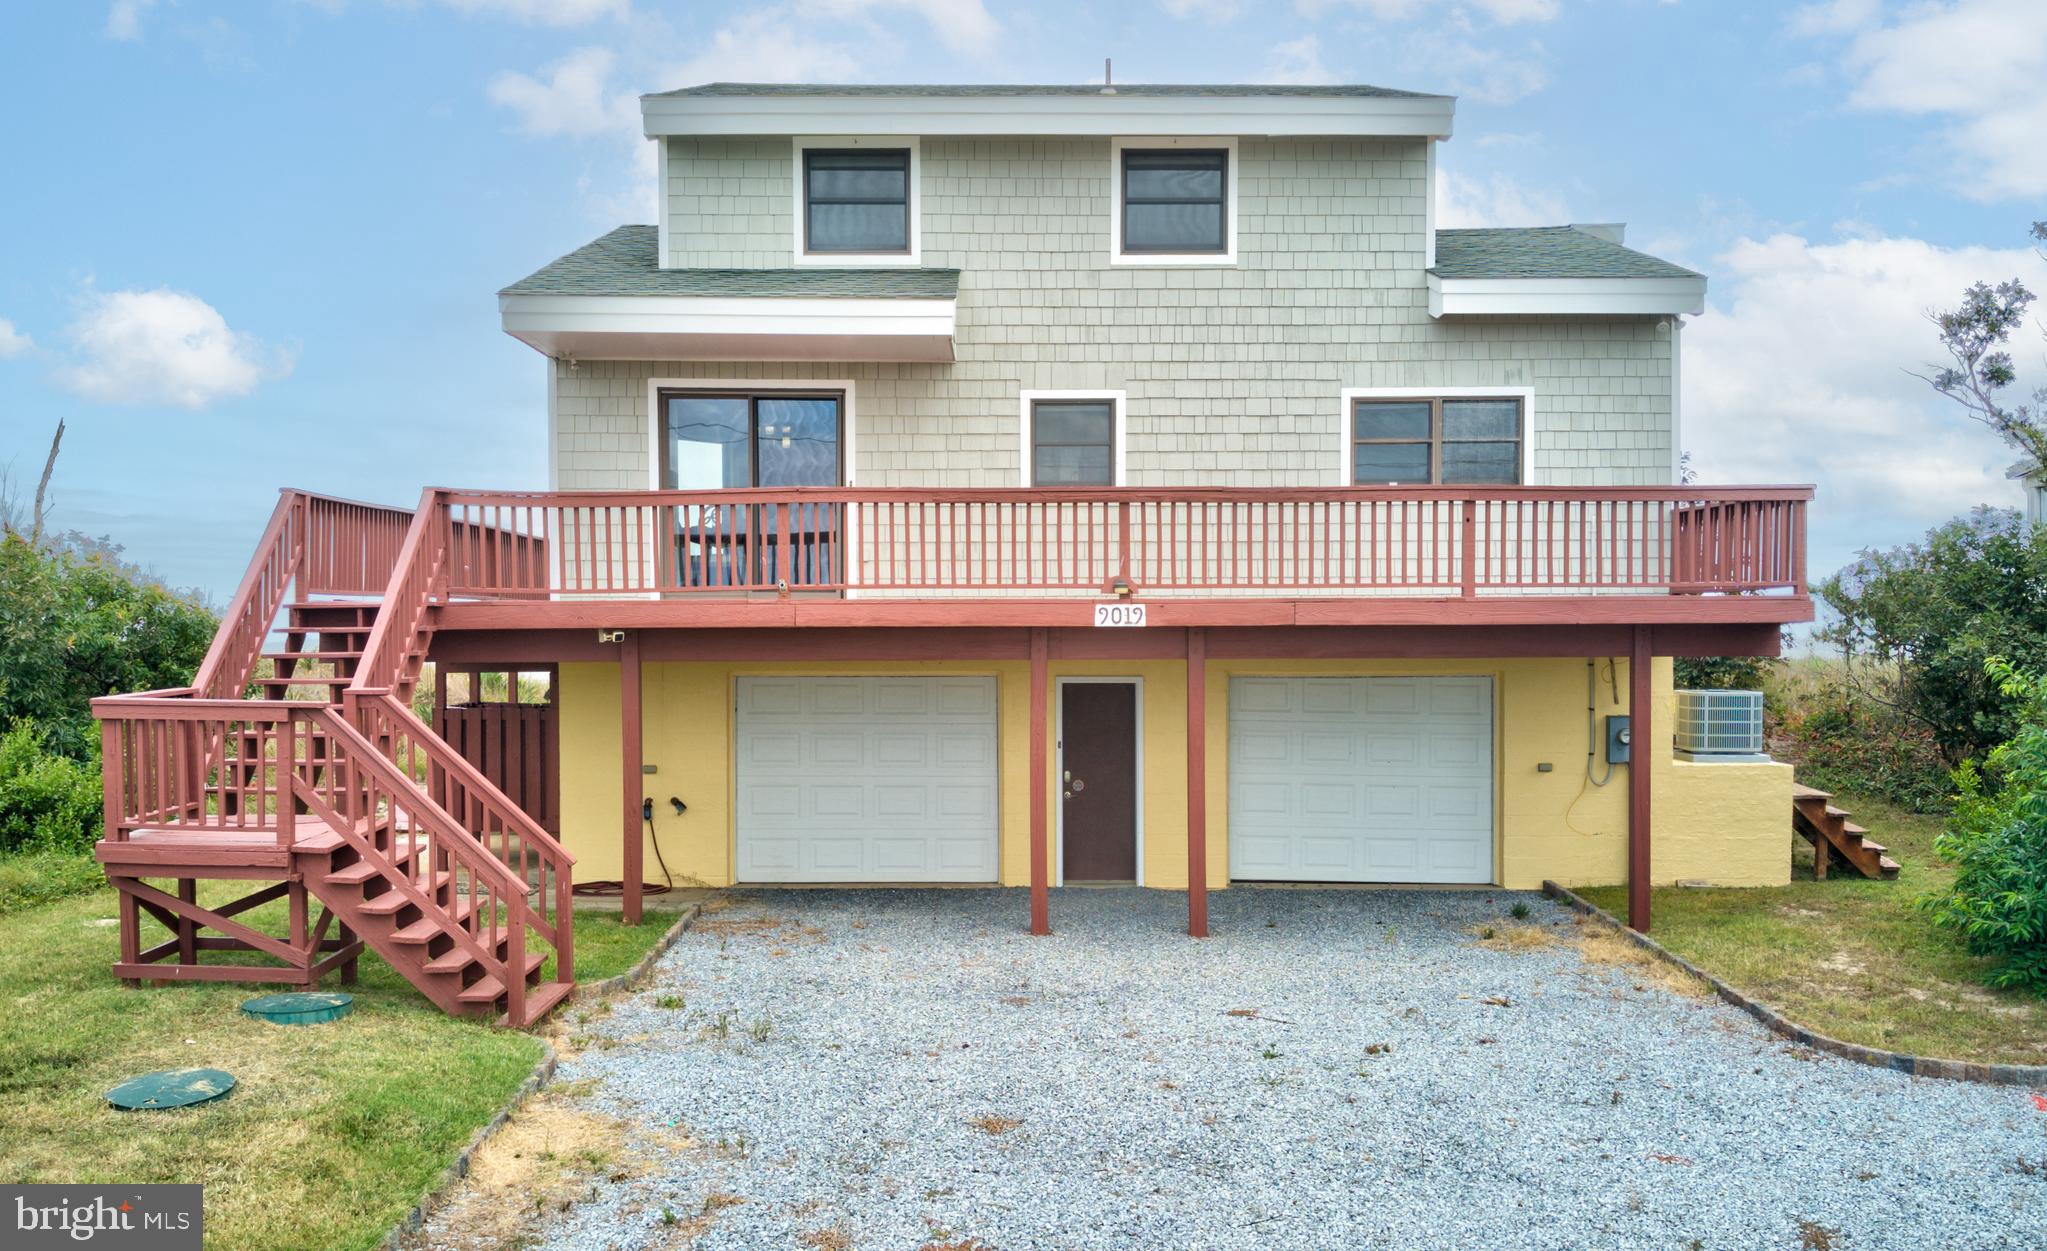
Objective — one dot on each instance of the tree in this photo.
(1980, 369)
(72, 628)
(1935, 612)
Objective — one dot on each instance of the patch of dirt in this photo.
(1599, 945)
(833, 1238)
(542, 1162)
(1843, 962)
(1513, 936)
(994, 1124)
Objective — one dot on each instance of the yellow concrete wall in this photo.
(1725, 824)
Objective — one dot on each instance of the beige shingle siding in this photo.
(1233, 373)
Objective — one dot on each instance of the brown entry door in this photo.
(1098, 783)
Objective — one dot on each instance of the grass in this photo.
(32, 878)
(1851, 957)
(332, 1132)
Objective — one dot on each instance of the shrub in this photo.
(1722, 673)
(1844, 740)
(1997, 840)
(1933, 612)
(76, 627)
(47, 801)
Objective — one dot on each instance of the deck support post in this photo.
(1197, 783)
(188, 930)
(629, 733)
(1641, 747)
(1041, 906)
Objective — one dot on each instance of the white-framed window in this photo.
(661, 457)
(857, 200)
(1452, 436)
(1173, 201)
(1071, 438)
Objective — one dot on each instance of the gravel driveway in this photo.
(1334, 1069)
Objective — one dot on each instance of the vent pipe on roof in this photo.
(1612, 232)
(1108, 78)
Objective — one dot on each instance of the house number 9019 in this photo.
(1119, 614)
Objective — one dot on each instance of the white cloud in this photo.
(1488, 75)
(1504, 12)
(1800, 376)
(1215, 11)
(1297, 61)
(1835, 17)
(764, 46)
(124, 19)
(1464, 201)
(163, 347)
(544, 12)
(961, 25)
(1980, 63)
(575, 98)
(12, 342)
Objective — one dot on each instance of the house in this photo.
(2033, 487)
(1007, 485)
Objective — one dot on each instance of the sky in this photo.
(256, 243)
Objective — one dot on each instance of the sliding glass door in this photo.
(718, 440)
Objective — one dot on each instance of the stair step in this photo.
(318, 654)
(1839, 814)
(335, 679)
(393, 901)
(1799, 791)
(487, 989)
(1876, 848)
(540, 1000)
(1889, 866)
(363, 870)
(425, 930)
(1850, 828)
(453, 960)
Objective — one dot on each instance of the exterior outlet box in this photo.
(1617, 737)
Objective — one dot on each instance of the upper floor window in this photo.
(1453, 441)
(714, 440)
(856, 203)
(1072, 438)
(1175, 202)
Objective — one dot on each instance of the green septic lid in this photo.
(172, 1088)
(300, 1007)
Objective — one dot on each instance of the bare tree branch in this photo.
(41, 513)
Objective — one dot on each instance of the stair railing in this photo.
(375, 704)
(452, 877)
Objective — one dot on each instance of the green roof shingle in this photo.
(978, 91)
(623, 263)
(1544, 252)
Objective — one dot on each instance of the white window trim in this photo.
(863, 260)
(1228, 256)
(1117, 401)
(655, 386)
(1059, 767)
(1346, 427)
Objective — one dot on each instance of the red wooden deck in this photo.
(331, 792)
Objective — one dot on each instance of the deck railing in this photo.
(1336, 541)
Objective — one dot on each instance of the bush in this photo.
(1936, 611)
(47, 801)
(1722, 673)
(75, 627)
(1844, 740)
(1997, 840)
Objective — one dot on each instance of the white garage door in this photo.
(866, 779)
(1361, 779)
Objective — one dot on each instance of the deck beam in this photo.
(1641, 753)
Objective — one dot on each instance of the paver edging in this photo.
(543, 1072)
(1777, 1023)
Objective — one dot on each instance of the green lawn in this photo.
(1852, 957)
(333, 1131)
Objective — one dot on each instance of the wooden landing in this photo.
(166, 848)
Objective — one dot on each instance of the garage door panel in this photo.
(1361, 779)
(866, 779)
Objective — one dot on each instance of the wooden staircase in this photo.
(1834, 837)
(315, 779)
